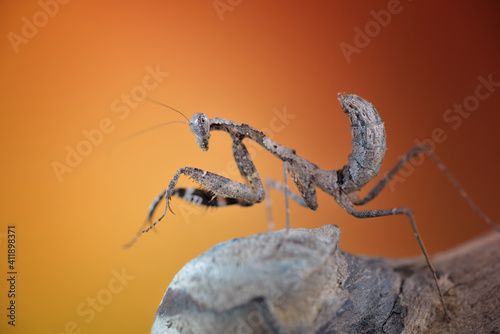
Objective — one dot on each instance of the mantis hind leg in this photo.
(409, 214)
(415, 151)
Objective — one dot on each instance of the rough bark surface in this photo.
(301, 282)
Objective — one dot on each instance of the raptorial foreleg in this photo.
(219, 186)
(203, 197)
(307, 192)
(216, 184)
(148, 220)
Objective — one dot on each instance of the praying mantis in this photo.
(364, 162)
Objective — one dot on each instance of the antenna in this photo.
(164, 105)
(127, 138)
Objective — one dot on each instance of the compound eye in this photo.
(200, 126)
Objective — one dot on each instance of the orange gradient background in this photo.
(262, 56)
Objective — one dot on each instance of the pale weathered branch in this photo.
(301, 282)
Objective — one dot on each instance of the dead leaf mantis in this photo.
(364, 162)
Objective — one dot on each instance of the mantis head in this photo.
(200, 126)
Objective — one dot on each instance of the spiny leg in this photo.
(249, 173)
(180, 192)
(305, 184)
(221, 188)
(409, 213)
(217, 184)
(415, 151)
(196, 196)
(147, 221)
(247, 169)
(203, 197)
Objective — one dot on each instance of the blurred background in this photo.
(73, 78)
